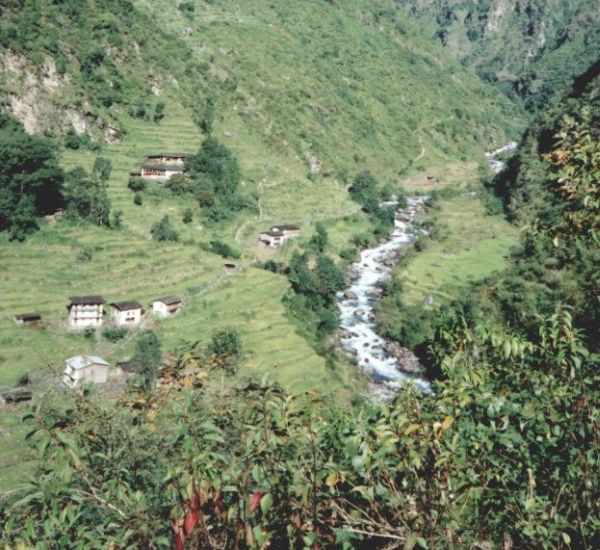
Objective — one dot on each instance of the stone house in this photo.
(165, 307)
(125, 314)
(161, 166)
(85, 368)
(28, 319)
(85, 311)
(279, 234)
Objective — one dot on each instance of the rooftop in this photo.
(169, 300)
(167, 154)
(82, 361)
(28, 317)
(273, 233)
(127, 305)
(285, 227)
(86, 300)
(128, 366)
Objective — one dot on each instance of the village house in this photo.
(28, 319)
(85, 311)
(165, 307)
(128, 313)
(85, 368)
(161, 166)
(279, 234)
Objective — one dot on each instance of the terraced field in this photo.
(64, 260)
(472, 245)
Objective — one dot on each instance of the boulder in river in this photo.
(353, 273)
(350, 295)
(407, 360)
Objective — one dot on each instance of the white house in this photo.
(161, 166)
(165, 307)
(85, 311)
(279, 234)
(85, 368)
(125, 314)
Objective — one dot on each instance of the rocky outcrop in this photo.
(35, 97)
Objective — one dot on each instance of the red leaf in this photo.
(298, 521)
(179, 539)
(255, 501)
(190, 521)
(218, 502)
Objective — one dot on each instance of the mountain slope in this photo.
(550, 41)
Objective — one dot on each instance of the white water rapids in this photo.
(496, 166)
(358, 331)
(358, 334)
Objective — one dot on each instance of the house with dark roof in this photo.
(85, 311)
(279, 234)
(167, 306)
(161, 166)
(28, 318)
(127, 313)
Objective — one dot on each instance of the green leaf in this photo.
(266, 502)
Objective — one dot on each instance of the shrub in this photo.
(188, 216)
(159, 112)
(113, 334)
(163, 231)
(136, 184)
(217, 246)
(137, 199)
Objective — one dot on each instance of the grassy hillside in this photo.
(304, 94)
(550, 41)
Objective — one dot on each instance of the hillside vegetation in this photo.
(531, 48)
(303, 98)
(504, 452)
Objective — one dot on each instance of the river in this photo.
(358, 332)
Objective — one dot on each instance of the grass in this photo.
(473, 245)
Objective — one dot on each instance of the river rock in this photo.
(407, 360)
(353, 273)
(350, 295)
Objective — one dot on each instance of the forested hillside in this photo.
(531, 48)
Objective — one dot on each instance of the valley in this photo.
(378, 226)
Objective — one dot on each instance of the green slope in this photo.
(532, 49)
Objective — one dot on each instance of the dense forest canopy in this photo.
(30, 178)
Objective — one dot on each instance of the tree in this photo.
(163, 231)
(226, 345)
(364, 190)
(86, 194)
(214, 178)
(147, 357)
(319, 240)
(30, 179)
(159, 112)
(329, 278)
(102, 169)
